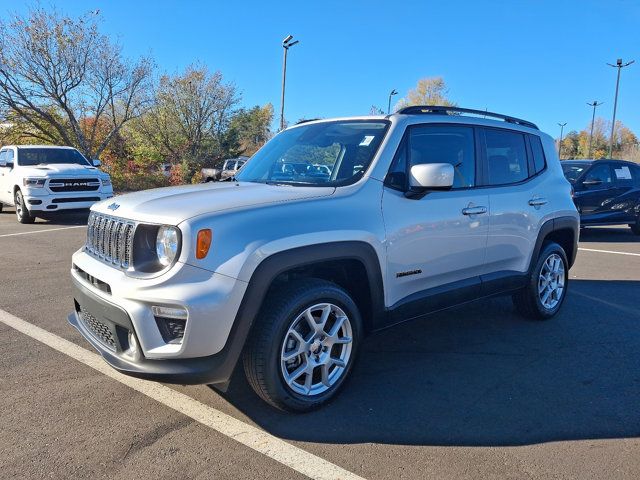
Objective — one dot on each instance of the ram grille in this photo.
(110, 239)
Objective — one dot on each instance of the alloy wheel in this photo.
(316, 349)
(551, 281)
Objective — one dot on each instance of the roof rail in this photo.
(445, 110)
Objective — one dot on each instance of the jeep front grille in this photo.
(110, 239)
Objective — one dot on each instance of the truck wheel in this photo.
(635, 227)
(303, 345)
(1, 207)
(547, 286)
(22, 212)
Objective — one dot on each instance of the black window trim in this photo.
(533, 160)
(481, 170)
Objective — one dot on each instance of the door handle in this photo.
(538, 201)
(474, 210)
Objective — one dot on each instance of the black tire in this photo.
(1, 207)
(635, 227)
(22, 212)
(527, 301)
(262, 354)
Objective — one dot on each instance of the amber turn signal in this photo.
(203, 243)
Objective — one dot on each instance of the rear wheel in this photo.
(547, 285)
(304, 345)
(22, 212)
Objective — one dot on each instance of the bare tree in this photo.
(66, 82)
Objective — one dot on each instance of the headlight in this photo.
(167, 245)
(106, 182)
(34, 182)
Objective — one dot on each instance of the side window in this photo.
(445, 144)
(3, 156)
(538, 153)
(506, 156)
(622, 174)
(600, 175)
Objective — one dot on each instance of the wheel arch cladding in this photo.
(562, 230)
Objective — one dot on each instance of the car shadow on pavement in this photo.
(480, 375)
(621, 234)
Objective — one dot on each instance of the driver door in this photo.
(595, 194)
(5, 173)
(436, 243)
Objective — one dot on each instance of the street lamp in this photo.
(593, 118)
(619, 65)
(391, 94)
(286, 44)
(560, 143)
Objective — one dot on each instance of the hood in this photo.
(173, 205)
(62, 170)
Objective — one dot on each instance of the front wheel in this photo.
(303, 346)
(547, 284)
(22, 212)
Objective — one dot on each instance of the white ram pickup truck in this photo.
(289, 268)
(41, 181)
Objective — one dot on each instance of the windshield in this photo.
(29, 157)
(572, 171)
(324, 154)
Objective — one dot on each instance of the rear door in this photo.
(515, 181)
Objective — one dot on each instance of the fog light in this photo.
(133, 343)
(169, 312)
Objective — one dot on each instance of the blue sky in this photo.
(540, 60)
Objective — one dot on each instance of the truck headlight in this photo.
(106, 182)
(33, 182)
(167, 243)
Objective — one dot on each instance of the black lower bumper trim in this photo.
(213, 369)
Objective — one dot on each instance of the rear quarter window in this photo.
(538, 153)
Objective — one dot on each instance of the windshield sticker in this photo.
(623, 173)
(366, 141)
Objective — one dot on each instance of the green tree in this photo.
(252, 128)
(428, 91)
(190, 119)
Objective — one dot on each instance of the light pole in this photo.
(619, 65)
(560, 142)
(286, 44)
(391, 94)
(593, 118)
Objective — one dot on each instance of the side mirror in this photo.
(592, 182)
(3, 163)
(6, 164)
(431, 176)
(96, 162)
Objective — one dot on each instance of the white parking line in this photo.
(293, 457)
(41, 231)
(609, 251)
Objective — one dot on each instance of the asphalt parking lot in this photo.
(475, 392)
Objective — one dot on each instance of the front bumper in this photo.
(212, 369)
(50, 203)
